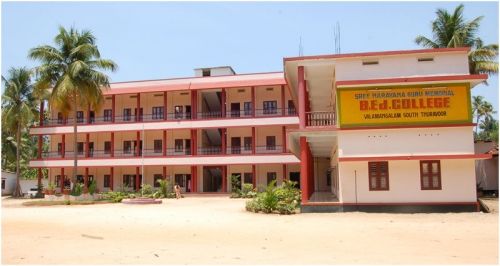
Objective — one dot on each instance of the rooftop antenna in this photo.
(336, 38)
(301, 52)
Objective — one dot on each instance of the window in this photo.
(107, 147)
(378, 174)
(247, 107)
(270, 107)
(128, 180)
(127, 146)
(205, 72)
(430, 175)
(291, 108)
(157, 112)
(178, 112)
(179, 180)
(92, 117)
(247, 143)
(80, 148)
(107, 114)
(59, 148)
(156, 178)
(247, 178)
(59, 118)
(79, 179)
(79, 116)
(91, 149)
(271, 143)
(127, 114)
(3, 183)
(270, 177)
(107, 180)
(157, 145)
(179, 147)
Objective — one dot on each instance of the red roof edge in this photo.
(381, 53)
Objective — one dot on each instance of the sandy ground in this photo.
(219, 231)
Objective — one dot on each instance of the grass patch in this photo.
(64, 202)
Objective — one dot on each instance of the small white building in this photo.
(8, 183)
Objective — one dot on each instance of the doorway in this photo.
(184, 181)
(235, 109)
(295, 177)
(212, 179)
(235, 145)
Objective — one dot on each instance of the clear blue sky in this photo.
(167, 39)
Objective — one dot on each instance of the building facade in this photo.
(371, 131)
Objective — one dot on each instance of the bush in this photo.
(165, 189)
(77, 190)
(115, 196)
(248, 191)
(284, 199)
(92, 187)
(146, 189)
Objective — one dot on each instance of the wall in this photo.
(452, 140)
(402, 66)
(457, 181)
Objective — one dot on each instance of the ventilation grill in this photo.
(425, 59)
(133, 96)
(184, 93)
(158, 95)
(109, 98)
(367, 63)
(269, 89)
(241, 90)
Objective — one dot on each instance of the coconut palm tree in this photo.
(451, 30)
(477, 104)
(18, 111)
(72, 73)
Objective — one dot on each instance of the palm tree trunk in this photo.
(17, 190)
(75, 141)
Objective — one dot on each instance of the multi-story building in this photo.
(373, 130)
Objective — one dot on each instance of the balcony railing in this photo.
(131, 153)
(231, 114)
(320, 119)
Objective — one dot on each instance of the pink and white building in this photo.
(367, 131)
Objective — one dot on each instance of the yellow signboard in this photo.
(437, 104)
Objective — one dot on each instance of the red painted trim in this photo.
(304, 169)
(112, 177)
(385, 203)
(254, 141)
(40, 146)
(137, 183)
(253, 101)
(113, 108)
(302, 97)
(283, 100)
(416, 157)
(87, 151)
(112, 144)
(164, 143)
(165, 109)
(63, 141)
(138, 111)
(62, 179)
(223, 102)
(138, 143)
(412, 126)
(224, 178)
(382, 53)
(410, 79)
(254, 176)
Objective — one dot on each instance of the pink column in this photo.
(62, 180)
(138, 114)
(112, 178)
(254, 176)
(254, 140)
(63, 144)
(224, 178)
(164, 142)
(87, 152)
(165, 114)
(223, 102)
(137, 147)
(86, 181)
(137, 181)
(284, 139)
(112, 144)
(224, 140)
(253, 101)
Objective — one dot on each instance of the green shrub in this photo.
(235, 182)
(77, 190)
(248, 191)
(146, 189)
(284, 199)
(115, 196)
(92, 187)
